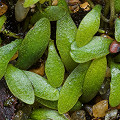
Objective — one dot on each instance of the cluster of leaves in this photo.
(81, 53)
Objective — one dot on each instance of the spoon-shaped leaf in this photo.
(117, 29)
(54, 104)
(88, 26)
(77, 106)
(65, 35)
(114, 98)
(43, 114)
(53, 13)
(47, 103)
(72, 88)
(94, 79)
(6, 53)
(63, 3)
(96, 48)
(54, 67)
(42, 88)
(2, 21)
(19, 84)
(28, 3)
(34, 44)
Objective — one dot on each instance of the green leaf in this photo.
(65, 35)
(88, 26)
(43, 114)
(63, 3)
(96, 48)
(117, 6)
(117, 29)
(72, 88)
(28, 3)
(53, 13)
(42, 88)
(48, 103)
(54, 104)
(54, 67)
(114, 98)
(6, 53)
(42, 1)
(19, 84)
(34, 44)
(94, 79)
(77, 106)
(2, 21)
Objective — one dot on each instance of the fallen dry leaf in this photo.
(85, 6)
(3, 8)
(40, 70)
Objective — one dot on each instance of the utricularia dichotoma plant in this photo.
(84, 52)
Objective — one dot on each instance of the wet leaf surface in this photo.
(94, 79)
(19, 84)
(96, 48)
(88, 26)
(47, 114)
(42, 88)
(34, 44)
(54, 68)
(114, 98)
(72, 88)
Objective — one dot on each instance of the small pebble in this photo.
(67, 116)
(78, 115)
(114, 47)
(106, 95)
(111, 115)
(105, 86)
(18, 115)
(99, 109)
(10, 101)
(20, 11)
(88, 108)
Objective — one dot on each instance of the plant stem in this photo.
(10, 34)
(101, 31)
(106, 11)
(107, 7)
(112, 12)
(39, 7)
(104, 18)
(92, 5)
